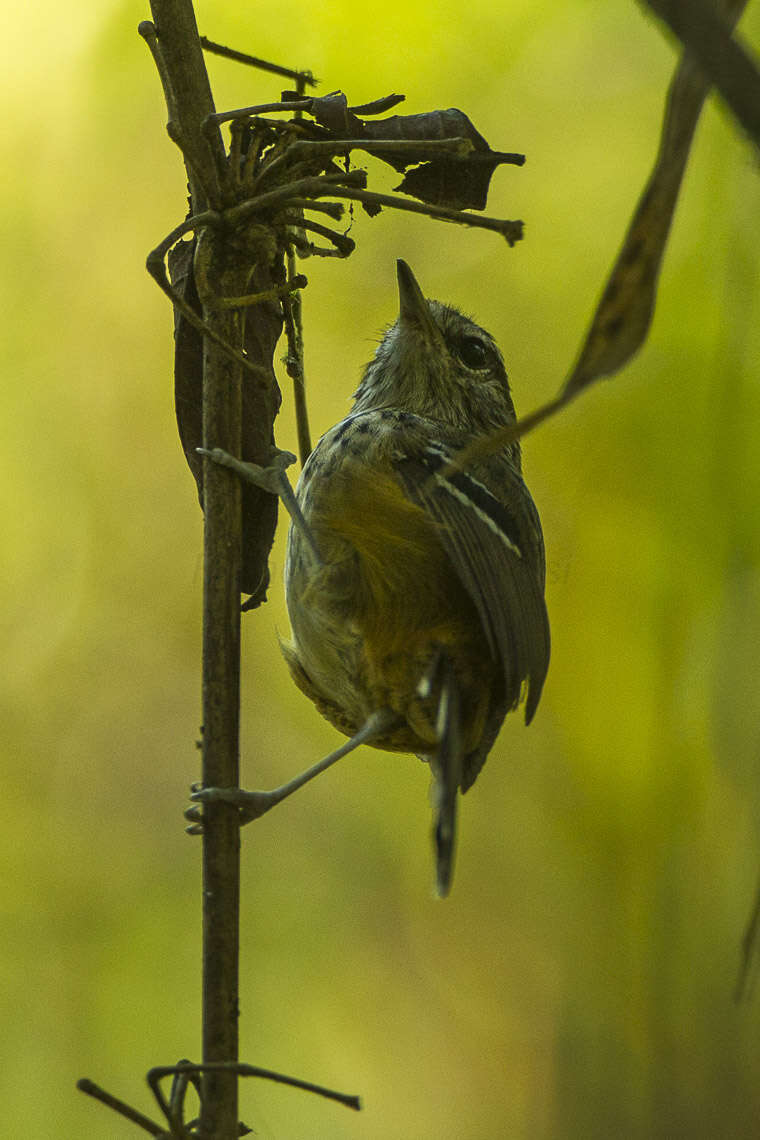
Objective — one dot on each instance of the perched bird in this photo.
(416, 590)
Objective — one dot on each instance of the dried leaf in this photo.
(457, 182)
(449, 124)
(188, 361)
(379, 106)
(260, 406)
(621, 321)
(461, 184)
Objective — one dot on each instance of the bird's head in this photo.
(436, 362)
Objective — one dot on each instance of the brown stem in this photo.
(221, 702)
(190, 105)
(191, 101)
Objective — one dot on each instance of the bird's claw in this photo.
(250, 805)
(268, 478)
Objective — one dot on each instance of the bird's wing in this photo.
(496, 548)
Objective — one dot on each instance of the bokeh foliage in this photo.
(578, 983)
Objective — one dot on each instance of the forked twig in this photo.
(157, 1074)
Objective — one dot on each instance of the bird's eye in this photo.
(473, 352)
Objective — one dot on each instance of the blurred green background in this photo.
(578, 982)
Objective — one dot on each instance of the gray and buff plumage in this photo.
(427, 598)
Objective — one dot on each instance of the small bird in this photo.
(415, 590)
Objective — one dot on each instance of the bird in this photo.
(415, 585)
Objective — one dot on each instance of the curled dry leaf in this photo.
(458, 182)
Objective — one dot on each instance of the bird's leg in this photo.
(253, 804)
(273, 479)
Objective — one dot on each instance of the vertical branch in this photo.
(221, 701)
(190, 102)
(188, 98)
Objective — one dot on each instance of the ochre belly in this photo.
(389, 588)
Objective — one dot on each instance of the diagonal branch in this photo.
(723, 59)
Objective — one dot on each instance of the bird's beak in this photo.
(413, 308)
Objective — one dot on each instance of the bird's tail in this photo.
(447, 773)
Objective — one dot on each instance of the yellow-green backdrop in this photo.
(578, 982)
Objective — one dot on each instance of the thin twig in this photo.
(497, 440)
(512, 231)
(252, 61)
(276, 293)
(344, 245)
(292, 310)
(351, 186)
(315, 186)
(334, 210)
(220, 117)
(125, 1110)
(456, 147)
(242, 1070)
